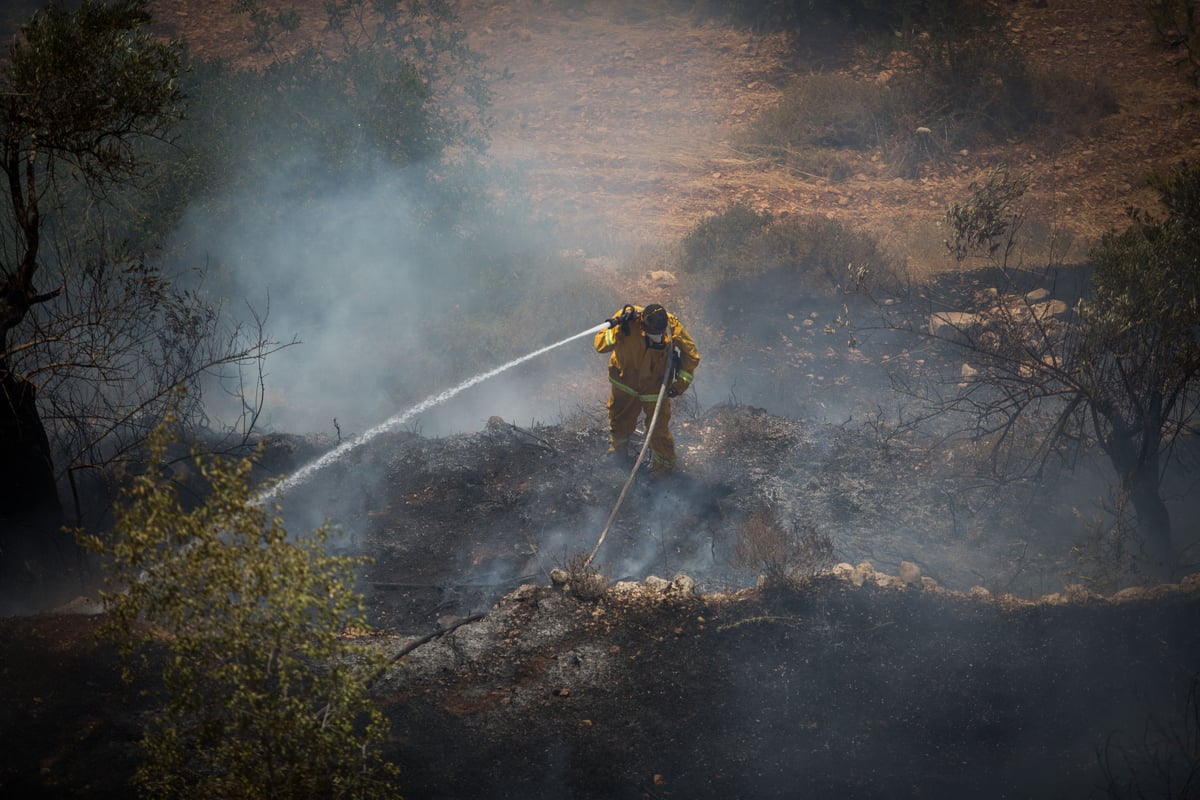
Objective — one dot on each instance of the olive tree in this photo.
(1114, 370)
(265, 696)
(94, 339)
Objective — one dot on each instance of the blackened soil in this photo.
(453, 524)
(653, 691)
(833, 691)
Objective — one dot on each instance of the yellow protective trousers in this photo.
(624, 408)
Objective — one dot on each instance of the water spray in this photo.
(339, 452)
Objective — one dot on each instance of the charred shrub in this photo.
(1164, 761)
(582, 578)
(785, 557)
(816, 252)
(1107, 556)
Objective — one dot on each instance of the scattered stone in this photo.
(81, 605)
(657, 584)
(954, 325)
(682, 586)
(1050, 308)
(843, 571)
(525, 591)
(885, 581)
(661, 278)
(1129, 593)
(1077, 593)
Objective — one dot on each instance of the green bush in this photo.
(1177, 27)
(1068, 104)
(814, 251)
(966, 83)
(717, 244)
(818, 112)
(264, 697)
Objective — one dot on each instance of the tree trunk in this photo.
(30, 511)
(1140, 485)
(1137, 470)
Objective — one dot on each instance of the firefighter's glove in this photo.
(627, 315)
(677, 388)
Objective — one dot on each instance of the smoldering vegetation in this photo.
(453, 523)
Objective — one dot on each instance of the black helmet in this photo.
(654, 318)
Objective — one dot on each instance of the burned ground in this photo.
(832, 692)
(454, 523)
(679, 680)
(981, 672)
(651, 690)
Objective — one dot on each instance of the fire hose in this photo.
(668, 378)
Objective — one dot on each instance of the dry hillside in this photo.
(621, 118)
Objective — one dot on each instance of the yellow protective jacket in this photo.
(636, 366)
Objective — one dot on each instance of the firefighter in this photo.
(642, 342)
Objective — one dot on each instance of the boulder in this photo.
(958, 326)
(661, 279)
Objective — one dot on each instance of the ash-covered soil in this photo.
(650, 690)
(677, 678)
(835, 691)
(454, 523)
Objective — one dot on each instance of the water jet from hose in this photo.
(337, 453)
